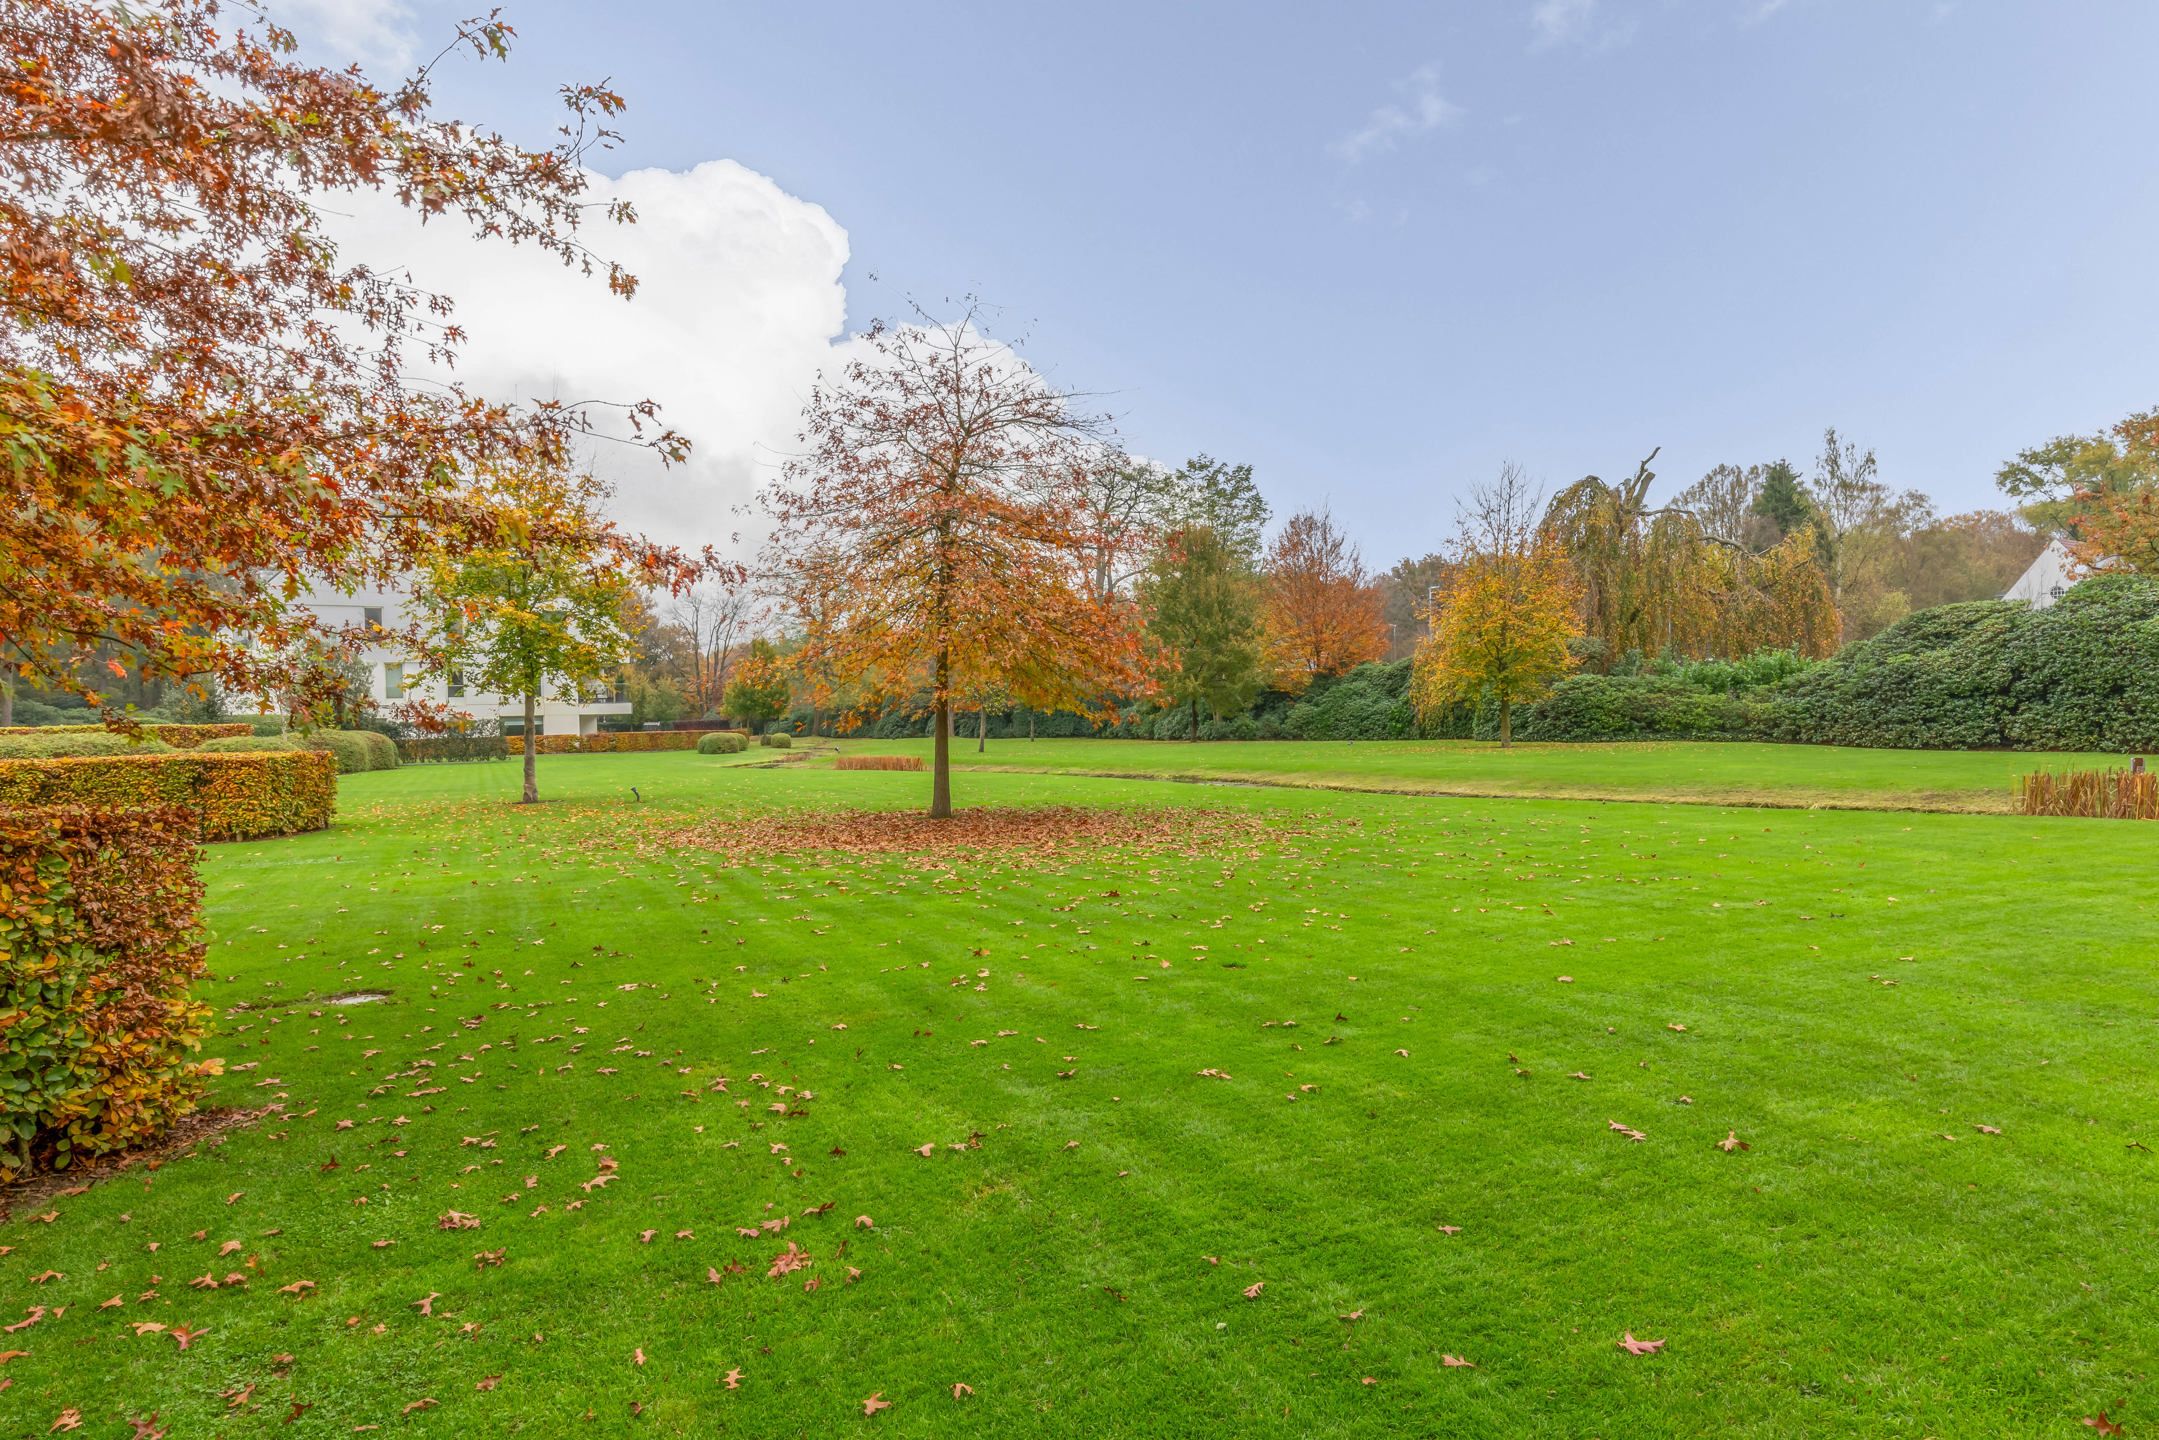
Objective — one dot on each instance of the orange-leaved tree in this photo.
(207, 408)
(930, 536)
(1323, 615)
(1502, 619)
(2116, 525)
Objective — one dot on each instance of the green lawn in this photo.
(1854, 994)
(1735, 774)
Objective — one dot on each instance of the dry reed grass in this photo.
(2093, 794)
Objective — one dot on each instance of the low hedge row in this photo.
(233, 797)
(180, 737)
(80, 742)
(449, 749)
(623, 742)
(355, 751)
(606, 742)
(100, 940)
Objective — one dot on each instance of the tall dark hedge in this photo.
(1993, 674)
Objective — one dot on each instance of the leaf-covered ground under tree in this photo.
(1408, 1124)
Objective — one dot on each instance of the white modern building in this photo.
(393, 677)
(2047, 578)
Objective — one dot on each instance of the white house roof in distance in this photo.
(2047, 578)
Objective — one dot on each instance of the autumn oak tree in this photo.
(931, 536)
(204, 406)
(1503, 617)
(1323, 615)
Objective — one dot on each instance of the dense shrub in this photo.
(180, 737)
(780, 740)
(381, 749)
(347, 747)
(1637, 707)
(722, 742)
(36, 715)
(2081, 675)
(100, 939)
(59, 743)
(878, 762)
(1369, 703)
(234, 797)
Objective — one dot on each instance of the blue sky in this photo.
(1376, 250)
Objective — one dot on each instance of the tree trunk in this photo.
(7, 702)
(982, 729)
(941, 747)
(1030, 724)
(532, 759)
(1506, 722)
(1195, 719)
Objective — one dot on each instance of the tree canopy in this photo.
(931, 537)
(208, 407)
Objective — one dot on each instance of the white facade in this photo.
(388, 665)
(2047, 578)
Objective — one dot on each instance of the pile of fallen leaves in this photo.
(1054, 832)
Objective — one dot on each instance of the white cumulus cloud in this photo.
(1421, 109)
(374, 32)
(739, 304)
(1559, 21)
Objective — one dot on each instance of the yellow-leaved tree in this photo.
(1501, 622)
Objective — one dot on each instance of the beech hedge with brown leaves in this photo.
(231, 797)
(100, 939)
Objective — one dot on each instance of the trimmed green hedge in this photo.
(346, 747)
(180, 737)
(441, 749)
(236, 797)
(250, 745)
(58, 744)
(722, 742)
(101, 942)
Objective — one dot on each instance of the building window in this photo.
(514, 725)
(371, 616)
(393, 681)
(457, 684)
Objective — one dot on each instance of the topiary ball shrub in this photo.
(722, 742)
(780, 741)
(381, 749)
